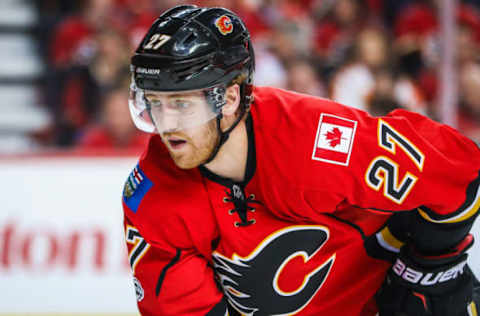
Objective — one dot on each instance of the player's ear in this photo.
(232, 98)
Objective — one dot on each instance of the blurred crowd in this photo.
(375, 55)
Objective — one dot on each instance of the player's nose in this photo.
(170, 122)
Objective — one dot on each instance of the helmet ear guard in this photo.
(216, 97)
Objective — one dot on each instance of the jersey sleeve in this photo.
(400, 162)
(170, 281)
(408, 161)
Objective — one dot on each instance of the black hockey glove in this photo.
(419, 285)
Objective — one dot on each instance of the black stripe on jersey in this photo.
(220, 309)
(470, 201)
(355, 226)
(164, 271)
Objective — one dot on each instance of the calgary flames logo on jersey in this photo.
(224, 25)
(263, 283)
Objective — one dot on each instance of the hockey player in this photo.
(259, 201)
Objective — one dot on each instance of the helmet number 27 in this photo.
(156, 41)
(384, 171)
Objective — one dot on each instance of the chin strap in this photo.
(223, 135)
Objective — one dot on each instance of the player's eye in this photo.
(182, 104)
(154, 103)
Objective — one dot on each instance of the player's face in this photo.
(192, 147)
(185, 124)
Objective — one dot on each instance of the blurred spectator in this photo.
(111, 58)
(409, 95)
(70, 91)
(352, 85)
(417, 54)
(73, 41)
(382, 99)
(302, 78)
(372, 47)
(298, 10)
(468, 33)
(354, 82)
(469, 112)
(290, 39)
(81, 85)
(467, 48)
(282, 42)
(51, 12)
(115, 129)
(364, 80)
(389, 9)
(269, 69)
(133, 18)
(416, 20)
(336, 31)
(417, 47)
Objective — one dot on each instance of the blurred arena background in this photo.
(67, 142)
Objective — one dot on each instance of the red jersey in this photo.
(290, 239)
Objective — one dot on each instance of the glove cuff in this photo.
(431, 261)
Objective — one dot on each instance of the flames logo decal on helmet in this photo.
(224, 25)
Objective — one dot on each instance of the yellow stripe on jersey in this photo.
(386, 239)
(472, 309)
(466, 214)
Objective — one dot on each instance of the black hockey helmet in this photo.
(193, 48)
(190, 48)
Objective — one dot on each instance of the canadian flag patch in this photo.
(334, 140)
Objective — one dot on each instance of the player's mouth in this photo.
(176, 143)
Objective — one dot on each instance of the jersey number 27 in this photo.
(384, 171)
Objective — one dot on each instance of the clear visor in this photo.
(156, 111)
